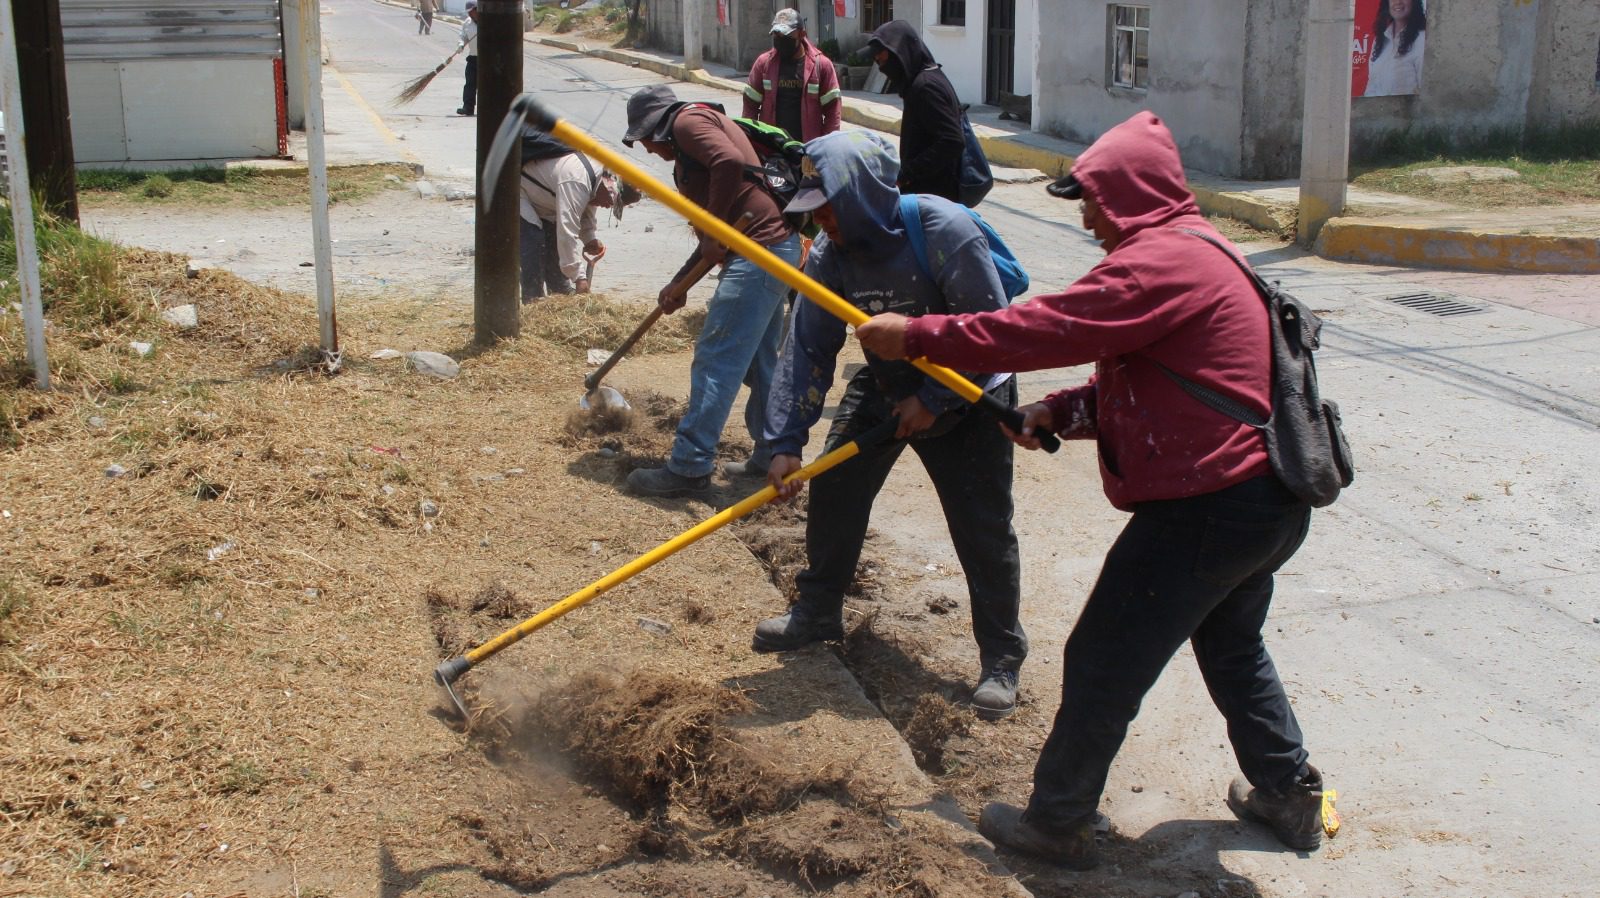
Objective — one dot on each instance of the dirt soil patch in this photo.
(231, 576)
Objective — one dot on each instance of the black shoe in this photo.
(1295, 816)
(662, 482)
(797, 629)
(1072, 846)
(465, 111)
(996, 695)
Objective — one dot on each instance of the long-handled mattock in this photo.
(449, 671)
(526, 107)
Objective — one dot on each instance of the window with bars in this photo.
(1130, 46)
(952, 12)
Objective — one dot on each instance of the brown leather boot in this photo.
(1295, 816)
(1072, 847)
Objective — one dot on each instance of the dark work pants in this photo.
(970, 466)
(540, 260)
(1197, 569)
(469, 91)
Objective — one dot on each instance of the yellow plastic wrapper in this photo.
(1330, 814)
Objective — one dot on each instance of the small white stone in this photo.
(183, 317)
(115, 471)
(386, 354)
(434, 364)
(428, 508)
(140, 349)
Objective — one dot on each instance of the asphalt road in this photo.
(1440, 631)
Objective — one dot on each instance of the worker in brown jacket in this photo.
(712, 161)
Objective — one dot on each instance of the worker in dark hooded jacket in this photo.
(1211, 523)
(931, 140)
(865, 256)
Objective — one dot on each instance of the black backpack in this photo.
(1304, 435)
(781, 158)
(538, 145)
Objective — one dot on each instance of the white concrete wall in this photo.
(959, 48)
(1027, 46)
(1566, 85)
(1197, 55)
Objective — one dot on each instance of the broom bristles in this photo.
(415, 87)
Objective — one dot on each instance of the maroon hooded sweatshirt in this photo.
(1161, 296)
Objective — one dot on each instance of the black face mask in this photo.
(892, 68)
(785, 45)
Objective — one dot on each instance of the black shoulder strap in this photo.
(587, 166)
(1216, 401)
(1255, 278)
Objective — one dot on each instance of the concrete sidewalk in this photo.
(1377, 228)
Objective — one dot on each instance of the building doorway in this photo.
(1000, 60)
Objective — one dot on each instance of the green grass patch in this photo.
(1554, 165)
(250, 187)
(79, 275)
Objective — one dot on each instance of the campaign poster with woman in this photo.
(1391, 37)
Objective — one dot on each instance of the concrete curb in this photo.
(1374, 241)
(1388, 243)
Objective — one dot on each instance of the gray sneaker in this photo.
(662, 482)
(797, 629)
(996, 695)
(1295, 816)
(1072, 847)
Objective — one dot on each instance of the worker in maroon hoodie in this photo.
(1211, 523)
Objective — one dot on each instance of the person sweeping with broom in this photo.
(469, 40)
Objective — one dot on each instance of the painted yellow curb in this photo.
(1368, 240)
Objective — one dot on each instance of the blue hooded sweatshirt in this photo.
(874, 268)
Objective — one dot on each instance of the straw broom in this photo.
(416, 86)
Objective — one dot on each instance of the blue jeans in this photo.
(738, 345)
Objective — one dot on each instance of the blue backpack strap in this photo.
(911, 214)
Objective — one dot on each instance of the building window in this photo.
(952, 12)
(1130, 46)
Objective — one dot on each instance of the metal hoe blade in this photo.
(505, 140)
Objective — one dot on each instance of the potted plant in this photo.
(859, 64)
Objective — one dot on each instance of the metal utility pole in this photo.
(1325, 123)
(42, 70)
(317, 170)
(497, 292)
(22, 200)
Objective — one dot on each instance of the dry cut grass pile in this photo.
(229, 576)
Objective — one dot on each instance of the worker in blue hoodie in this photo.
(865, 256)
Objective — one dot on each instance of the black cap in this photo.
(1066, 188)
(647, 108)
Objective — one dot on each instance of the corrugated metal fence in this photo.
(119, 30)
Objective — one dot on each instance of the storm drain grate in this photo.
(1435, 304)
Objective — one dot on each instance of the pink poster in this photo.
(1387, 48)
(722, 12)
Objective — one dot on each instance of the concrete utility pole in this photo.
(43, 72)
(1325, 124)
(693, 35)
(317, 170)
(497, 292)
